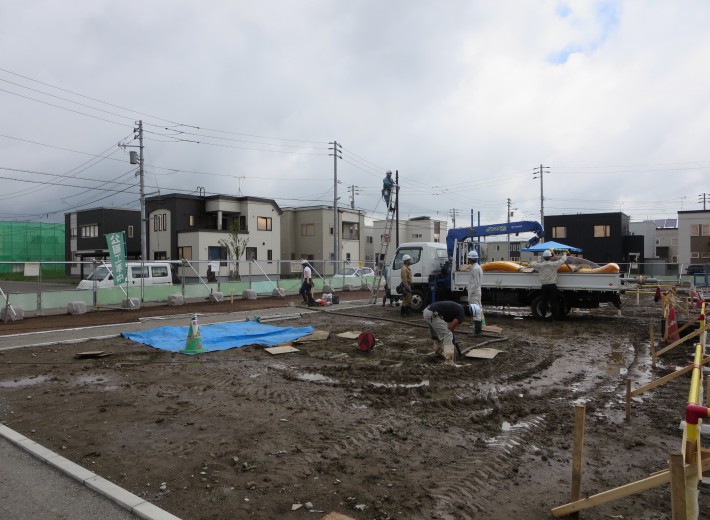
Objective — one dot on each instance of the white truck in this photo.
(439, 275)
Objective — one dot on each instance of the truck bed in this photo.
(565, 281)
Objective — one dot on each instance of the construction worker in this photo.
(443, 317)
(406, 277)
(548, 279)
(307, 284)
(387, 185)
(474, 288)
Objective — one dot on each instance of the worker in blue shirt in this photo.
(387, 185)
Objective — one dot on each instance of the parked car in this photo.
(695, 268)
(156, 273)
(351, 272)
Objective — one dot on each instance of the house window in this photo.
(705, 230)
(347, 257)
(416, 235)
(160, 255)
(160, 222)
(191, 220)
(269, 255)
(73, 232)
(602, 231)
(242, 223)
(559, 232)
(90, 231)
(217, 253)
(369, 240)
(331, 230)
(308, 230)
(694, 254)
(185, 252)
(705, 254)
(674, 259)
(263, 223)
(658, 241)
(130, 231)
(694, 230)
(250, 253)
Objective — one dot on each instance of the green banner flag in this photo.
(117, 249)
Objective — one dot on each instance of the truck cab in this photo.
(428, 258)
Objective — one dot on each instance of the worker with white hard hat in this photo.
(474, 287)
(547, 267)
(406, 277)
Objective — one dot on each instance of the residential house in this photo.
(191, 226)
(694, 237)
(667, 241)
(603, 237)
(85, 236)
(307, 233)
(416, 229)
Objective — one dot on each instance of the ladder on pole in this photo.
(384, 246)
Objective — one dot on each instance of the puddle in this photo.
(25, 381)
(317, 378)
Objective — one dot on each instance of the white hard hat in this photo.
(475, 310)
(472, 255)
(547, 254)
(389, 172)
(406, 257)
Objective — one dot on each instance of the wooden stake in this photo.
(577, 452)
(677, 468)
(628, 399)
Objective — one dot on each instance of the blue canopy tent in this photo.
(555, 246)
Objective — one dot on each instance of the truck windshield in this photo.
(99, 274)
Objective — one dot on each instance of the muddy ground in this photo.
(390, 434)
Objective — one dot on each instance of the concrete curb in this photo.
(135, 504)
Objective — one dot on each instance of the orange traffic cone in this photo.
(672, 326)
(193, 345)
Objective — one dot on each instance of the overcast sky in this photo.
(466, 99)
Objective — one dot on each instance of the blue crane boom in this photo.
(461, 234)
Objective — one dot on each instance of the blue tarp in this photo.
(220, 336)
(542, 246)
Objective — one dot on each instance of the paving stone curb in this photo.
(135, 504)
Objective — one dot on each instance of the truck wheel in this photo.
(419, 300)
(551, 311)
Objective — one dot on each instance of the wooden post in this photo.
(653, 346)
(628, 399)
(577, 454)
(638, 295)
(707, 392)
(677, 467)
(231, 296)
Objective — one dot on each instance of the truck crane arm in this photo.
(461, 234)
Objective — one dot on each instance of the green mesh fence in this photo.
(31, 242)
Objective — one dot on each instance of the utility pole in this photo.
(353, 191)
(539, 172)
(139, 161)
(336, 155)
(509, 228)
(453, 212)
(396, 208)
(703, 198)
(144, 242)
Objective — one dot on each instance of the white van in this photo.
(154, 273)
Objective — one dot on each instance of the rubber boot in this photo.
(404, 311)
(478, 327)
(439, 349)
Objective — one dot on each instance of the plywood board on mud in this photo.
(350, 334)
(281, 350)
(483, 353)
(316, 335)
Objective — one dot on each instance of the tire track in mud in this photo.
(462, 492)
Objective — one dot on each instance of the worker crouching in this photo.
(443, 317)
